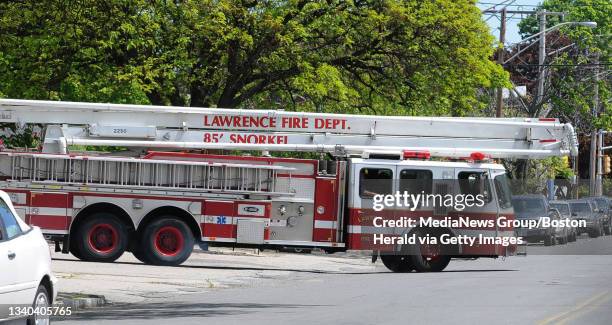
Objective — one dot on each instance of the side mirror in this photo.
(574, 214)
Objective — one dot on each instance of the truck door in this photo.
(367, 181)
(477, 182)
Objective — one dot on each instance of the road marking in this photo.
(587, 310)
(570, 314)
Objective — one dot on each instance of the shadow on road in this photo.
(247, 268)
(160, 311)
(233, 268)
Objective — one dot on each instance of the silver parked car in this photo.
(564, 209)
(583, 209)
(603, 209)
(536, 207)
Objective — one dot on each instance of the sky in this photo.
(493, 21)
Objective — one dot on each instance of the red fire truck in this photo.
(163, 194)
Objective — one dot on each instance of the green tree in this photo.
(370, 56)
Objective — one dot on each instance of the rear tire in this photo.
(136, 248)
(101, 238)
(74, 250)
(166, 241)
(141, 257)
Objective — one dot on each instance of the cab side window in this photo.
(475, 183)
(9, 222)
(416, 181)
(374, 181)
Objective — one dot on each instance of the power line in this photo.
(558, 64)
(537, 6)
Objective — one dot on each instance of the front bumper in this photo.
(532, 234)
(590, 226)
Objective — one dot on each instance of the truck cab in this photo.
(371, 179)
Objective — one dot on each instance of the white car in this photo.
(27, 286)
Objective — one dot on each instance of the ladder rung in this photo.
(155, 174)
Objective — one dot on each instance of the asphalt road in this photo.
(537, 289)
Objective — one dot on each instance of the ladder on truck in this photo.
(131, 173)
(163, 127)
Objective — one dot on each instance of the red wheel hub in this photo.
(103, 238)
(430, 252)
(169, 241)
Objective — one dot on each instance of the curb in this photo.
(79, 301)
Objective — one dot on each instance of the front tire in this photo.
(397, 263)
(428, 258)
(101, 238)
(42, 300)
(595, 232)
(167, 241)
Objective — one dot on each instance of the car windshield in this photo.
(580, 207)
(563, 208)
(601, 203)
(524, 205)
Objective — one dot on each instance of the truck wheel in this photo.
(74, 250)
(136, 248)
(594, 233)
(140, 256)
(423, 263)
(428, 258)
(101, 238)
(397, 263)
(572, 237)
(608, 229)
(167, 241)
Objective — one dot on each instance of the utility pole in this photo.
(541, 55)
(541, 52)
(499, 112)
(594, 161)
(600, 170)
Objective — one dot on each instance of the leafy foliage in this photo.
(374, 56)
